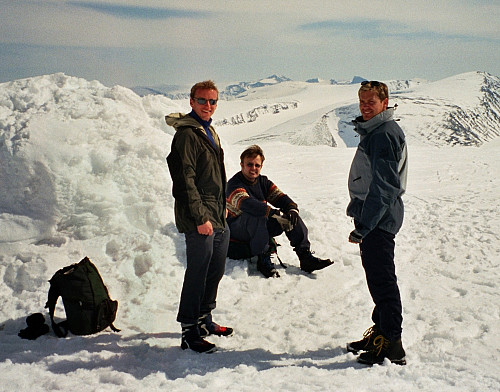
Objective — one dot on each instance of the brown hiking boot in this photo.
(365, 344)
(384, 348)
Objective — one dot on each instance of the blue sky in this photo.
(133, 43)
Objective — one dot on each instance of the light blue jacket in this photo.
(377, 178)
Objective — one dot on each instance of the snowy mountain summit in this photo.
(100, 127)
(83, 173)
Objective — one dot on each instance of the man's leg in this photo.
(215, 270)
(253, 230)
(377, 255)
(298, 237)
(215, 273)
(199, 250)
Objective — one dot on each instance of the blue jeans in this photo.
(206, 262)
(377, 256)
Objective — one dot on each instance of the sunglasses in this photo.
(203, 101)
(373, 83)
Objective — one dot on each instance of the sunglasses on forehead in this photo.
(373, 83)
(203, 101)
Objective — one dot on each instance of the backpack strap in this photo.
(61, 329)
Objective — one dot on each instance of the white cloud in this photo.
(247, 37)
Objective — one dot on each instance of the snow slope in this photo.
(460, 110)
(83, 173)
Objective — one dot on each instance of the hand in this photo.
(283, 221)
(206, 228)
(293, 217)
(355, 237)
(274, 213)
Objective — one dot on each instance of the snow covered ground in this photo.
(83, 173)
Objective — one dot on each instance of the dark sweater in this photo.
(256, 198)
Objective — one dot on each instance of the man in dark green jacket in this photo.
(196, 164)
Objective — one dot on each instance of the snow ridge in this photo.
(253, 114)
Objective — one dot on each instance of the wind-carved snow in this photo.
(306, 133)
(253, 114)
(442, 121)
(439, 119)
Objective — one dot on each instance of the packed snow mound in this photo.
(80, 159)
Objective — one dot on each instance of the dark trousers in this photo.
(206, 262)
(257, 231)
(377, 256)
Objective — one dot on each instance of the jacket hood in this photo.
(177, 120)
(365, 127)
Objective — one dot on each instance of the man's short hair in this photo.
(205, 85)
(251, 152)
(378, 87)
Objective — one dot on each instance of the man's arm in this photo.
(239, 200)
(186, 148)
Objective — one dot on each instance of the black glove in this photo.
(36, 327)
(355, 237)
(274, 212)
(293, 217)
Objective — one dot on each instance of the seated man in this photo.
(259, 211)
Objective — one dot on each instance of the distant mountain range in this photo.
(461, 110)
(238, 89)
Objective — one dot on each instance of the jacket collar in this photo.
(365, 127)
(204, 124)
(177, 120)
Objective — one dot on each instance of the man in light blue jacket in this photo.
(377, 180)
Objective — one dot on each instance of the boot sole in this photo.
(308, 270)
(185, 346)
(351, 350)
(400, 362)
(215, 334)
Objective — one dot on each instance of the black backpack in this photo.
(87, 304)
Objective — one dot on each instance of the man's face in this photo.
(206, 110)
(370, 104)
(250, 167)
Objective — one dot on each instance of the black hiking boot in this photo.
(207, 327)
(365, 344)
(266, 267)
(384, 348)
(309, 262)
(191, 339)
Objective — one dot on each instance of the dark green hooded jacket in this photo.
(198, 175)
